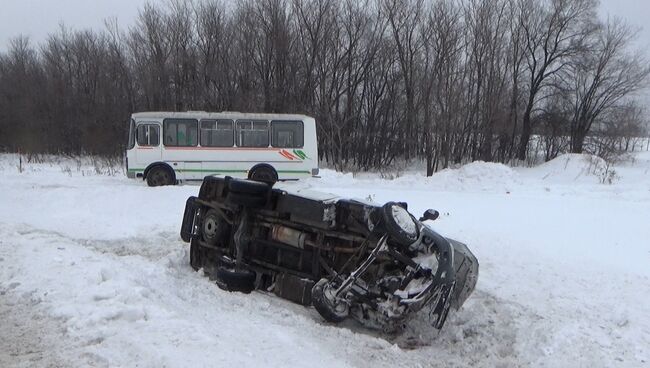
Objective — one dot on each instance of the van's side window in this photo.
(180, 132)
(148, 135)
(252, 133)
(217, 133)
(287, 134)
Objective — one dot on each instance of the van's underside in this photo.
(377, 264)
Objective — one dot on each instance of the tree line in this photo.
(442, 81)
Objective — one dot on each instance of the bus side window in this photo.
(217, 133)
(287, 134)
(252, 133)
(148, 135)
(180, 132)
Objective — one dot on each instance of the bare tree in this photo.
(404, 18)
(444, 78)
(601, 77)
(553, 32)
(445, 81)
(487, 45)
(21, 99)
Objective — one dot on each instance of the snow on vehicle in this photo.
(347, 258)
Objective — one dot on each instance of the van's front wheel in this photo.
(159, 176)
(323, 298)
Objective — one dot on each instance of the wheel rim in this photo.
(337, 307)
(210, 228)
(160, 177)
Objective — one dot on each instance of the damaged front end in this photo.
(347, 258)
(398, 279)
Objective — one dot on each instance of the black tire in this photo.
(264, 174)
(159, 175)
(208, 190)
(248, 187)
(212, 227)
(231, 280)
(396, 231)
(197, 255)
(247, 200)
(326, 307)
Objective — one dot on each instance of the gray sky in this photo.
(37, 18)
(635, 12)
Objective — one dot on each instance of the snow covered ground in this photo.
(93, 273)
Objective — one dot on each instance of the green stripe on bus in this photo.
(201, 170)
(230, 171)
(242, 171)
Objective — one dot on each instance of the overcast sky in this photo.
(37, 18)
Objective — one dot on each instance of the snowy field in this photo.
(93, 273)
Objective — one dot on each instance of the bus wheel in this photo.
(265, 174)
(159, 176)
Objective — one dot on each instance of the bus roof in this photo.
(216, 115)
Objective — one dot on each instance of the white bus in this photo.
(167, 147)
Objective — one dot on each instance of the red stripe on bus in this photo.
(290, 154)
(285, 154)
(219, 149)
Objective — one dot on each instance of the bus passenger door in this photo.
(147, 149)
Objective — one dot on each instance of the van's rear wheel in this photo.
(265, 174)
(159, 176)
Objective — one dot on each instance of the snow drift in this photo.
(93, 273)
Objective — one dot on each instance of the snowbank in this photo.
(476, 176)
(93, 273)
(572, 168)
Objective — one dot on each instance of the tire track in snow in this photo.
(28, 338)
(154, 247)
